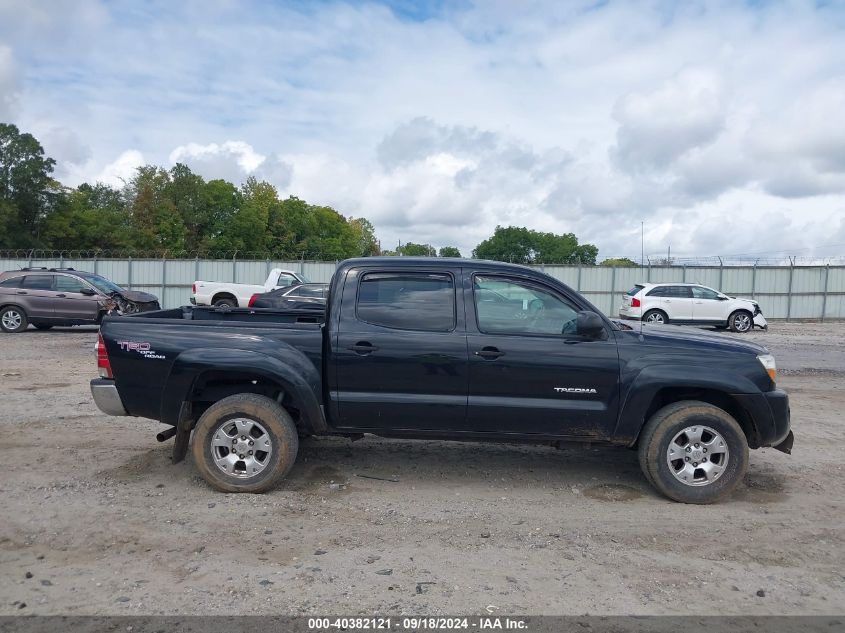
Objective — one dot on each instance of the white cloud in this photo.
(121, 170)
(719, 124)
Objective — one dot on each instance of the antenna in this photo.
(642, 263)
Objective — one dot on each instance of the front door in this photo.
(707, 306)
(70, 303)
(400, 355)
(529, 373)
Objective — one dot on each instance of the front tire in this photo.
(656, 317)
(693, 452)
(13, 319)
(245, 443)
(741, 321)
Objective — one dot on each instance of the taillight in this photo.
(193, 288)
(103, 365)
(251, 301)
(635, 303)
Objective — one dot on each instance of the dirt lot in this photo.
(95, 513)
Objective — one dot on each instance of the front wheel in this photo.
(741, 321)
(245, 443)
(13, 319)
(693, 452)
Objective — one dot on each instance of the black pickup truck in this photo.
(442, 349)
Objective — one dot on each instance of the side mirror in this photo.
(589, 325)
(722, 298)
(89, 292)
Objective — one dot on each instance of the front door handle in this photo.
(22, 292)
(489, 353)
(362, 348)
(61, 295)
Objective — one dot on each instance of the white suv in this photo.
(690, 304)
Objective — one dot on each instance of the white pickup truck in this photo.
(215, 293)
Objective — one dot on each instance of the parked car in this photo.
(300, 296)
(46, 297)
(449, 349)
(690, 304)
(217, 293)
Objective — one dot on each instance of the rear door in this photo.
(36, 295)
(529, 373)
(70, 303)
(400, 352)
(675, 301)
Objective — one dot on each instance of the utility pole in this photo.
(642, 243)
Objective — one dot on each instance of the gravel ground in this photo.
(96, 520)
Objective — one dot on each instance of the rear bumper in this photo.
(628, 317)
(106, 397)
(769, 411)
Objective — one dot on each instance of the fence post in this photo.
(129, 280)
(267, 268)
(684, 274)
(824, 295)
(721, 270)
(612, 287)
(197, 267)
(234, 268)
(754, 279)
(30, 259)
(648, 275)
(163, 276)
(61, 259)
(95, 263)
(789, 297)
(579, 275)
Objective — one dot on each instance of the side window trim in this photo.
(393, 273)
(528, 282)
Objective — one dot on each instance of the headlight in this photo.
(768, 362)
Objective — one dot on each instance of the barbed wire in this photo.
(37, 255)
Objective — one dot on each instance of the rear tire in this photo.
(13, 319)
(741, 321)
(229, 437)
(693, 452)
(225, 302)
(656, 317)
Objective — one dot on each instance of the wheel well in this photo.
(13, 305)
(663, 312)
(215, 385)
(717, 398)
(224, 295)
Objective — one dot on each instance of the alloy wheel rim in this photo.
(742, 322)
(12, 320)
(697, 455)
(241, 448)
(655, 318)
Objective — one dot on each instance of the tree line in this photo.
(177, 210)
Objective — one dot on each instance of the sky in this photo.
(719, 125)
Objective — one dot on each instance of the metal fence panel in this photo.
(784, 292)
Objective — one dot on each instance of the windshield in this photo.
(102, 284)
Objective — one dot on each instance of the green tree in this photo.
(88, 217)
(222, 201)
(155, 220)
(365, 235)
(187, 191)
(417, 250)
(524, 246)
(619, 262)
(27, 191)
(449, 251)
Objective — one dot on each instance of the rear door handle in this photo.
(61, 295)
(22, 292)
(362, 348)
(489, 353)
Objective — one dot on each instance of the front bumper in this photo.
(760, 321)
(769, 412)
(106, 397)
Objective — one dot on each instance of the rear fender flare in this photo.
(294, 373)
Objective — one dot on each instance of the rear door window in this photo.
(407, 301)
(680, 292)
(38, 282)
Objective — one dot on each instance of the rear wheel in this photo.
(225, 302)
(13, 319)
(741, 321)
(655, 317)
(693, 452)
(245, 443)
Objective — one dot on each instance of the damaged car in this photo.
(47, 297)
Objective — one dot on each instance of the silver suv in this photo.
(46, 297)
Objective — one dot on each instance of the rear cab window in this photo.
(407, 301)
